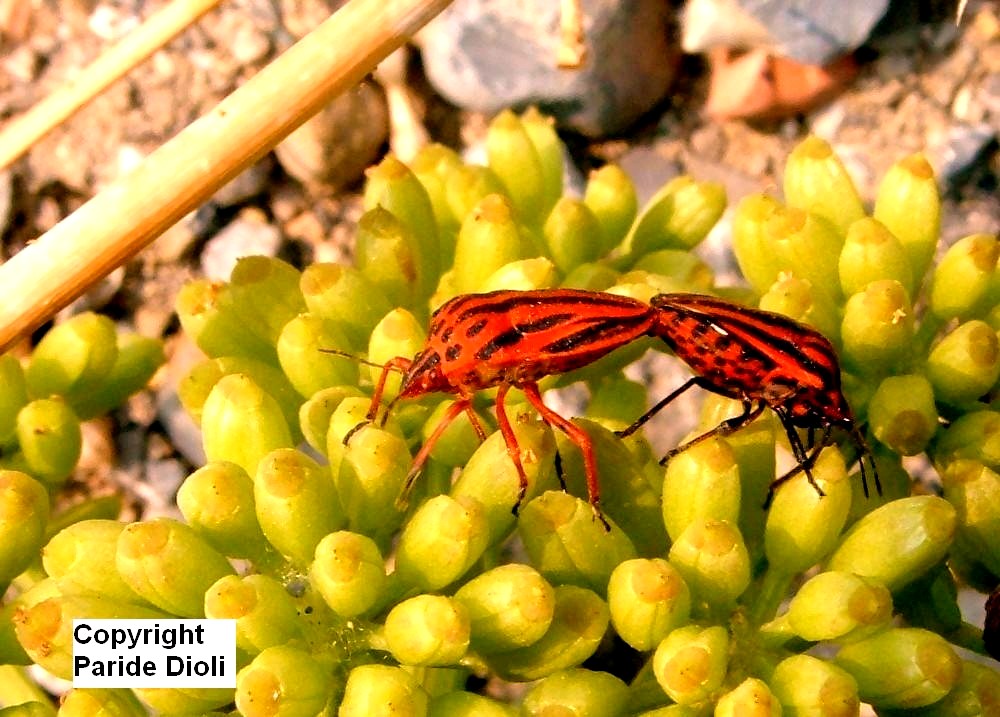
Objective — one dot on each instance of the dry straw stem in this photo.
(113, 226)
(21, 133)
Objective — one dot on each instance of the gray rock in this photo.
(960, 149)
(490, 54)
(248, 234)
(812, 32)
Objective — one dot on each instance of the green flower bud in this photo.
(594, 277)
(398, 333)
(315, 413)
(11, 652)
(577, 692)
(806, 245)
(184, 700)
(523, 275)
(803, 526)
(467, 704)
(441, 541)
(488, 239)
(751, 698)
(137, 360)
(98, 702)
(610, 195)
(700, 484)
(816, 181)
(572, 234)
(901, 667)
(712, 559)
(194, 388)
(382, 691)
(207, 314)
(48, 433)
(264, 612)
(169, 565)
(973, 435)
(647, 598)
(266, 295)
(678, 216)
(308, 367)
(345, 296)
(566, 543)
(13, 397)
(509, 607)
(807, 685)
(541, 131)
(349, 573)
(963, 277)
(428, 630)
(392, 185)
(672, 711)
(368, 473)
(976, 693)
(839, 606)
(931, 601)
(387, 253)
(458, 442)
(45, 629)
(898, 542)
(902, 413)
(516, 161)
(81, 558)
(491, 478)
(690, 663)
(626, 494)
(283, 681)
(32, 708)
(909, 205)
(877, 330)
(615, 401)
(73, 358)
(467, 186)
(974, 490)
(241, 423)
(755, 254)
(296, 503)
(24, 513)
(578, 625)
(965, 364)
(687, 268)
(872, 252)
(217, 501)
(795, 297)
(433, 165)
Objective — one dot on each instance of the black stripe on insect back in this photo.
(601, 331)
(507, 301)
(502, 340)
(769, 342)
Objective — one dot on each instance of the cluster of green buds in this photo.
(695, 601)
(81, 369)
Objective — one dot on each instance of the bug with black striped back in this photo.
(512, 339)
(765, 360)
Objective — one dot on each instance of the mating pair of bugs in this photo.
(511, 339)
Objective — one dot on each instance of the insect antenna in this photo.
(362, 361)
(858, 438)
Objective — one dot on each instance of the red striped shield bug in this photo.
(511, 339)
(764, 360)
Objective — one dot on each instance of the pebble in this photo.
(248, 234)
(332, 148)
(814, 33)
(959, 149)
(246, 185)
(486, 55)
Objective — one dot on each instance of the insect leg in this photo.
(477, 425)
(460, 405)
(804, 459)
(400, 363)
(660, 405)
(513, 450)
(865, 450)
(730, 425)
(580, 438)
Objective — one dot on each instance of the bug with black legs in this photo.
(512, 339)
